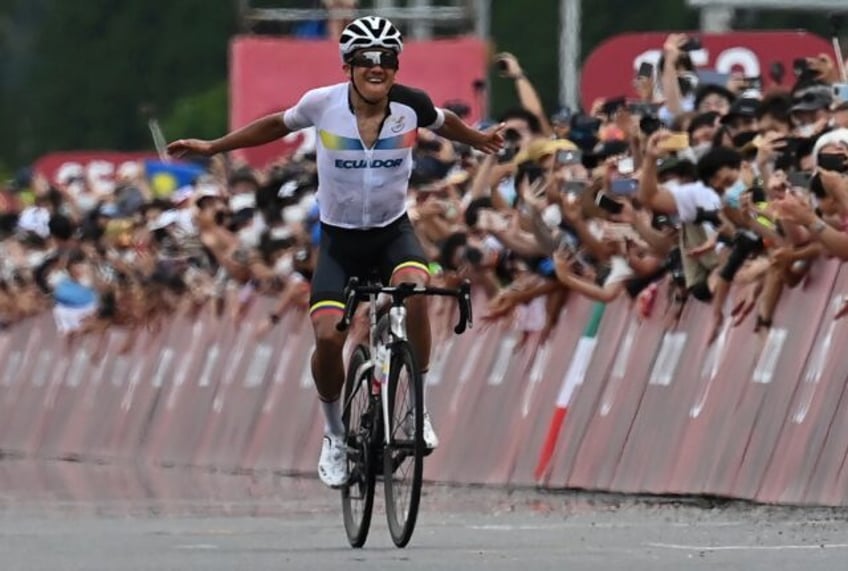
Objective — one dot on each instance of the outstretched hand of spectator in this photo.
(653, 149)
(501, 305)
(793, 208)
(511, 68)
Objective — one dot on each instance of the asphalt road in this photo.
(67, 516)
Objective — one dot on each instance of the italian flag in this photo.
(574, 377)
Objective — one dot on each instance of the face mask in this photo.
(293, 215)
(507, 190)
(552, 216)
(700, 150)
(734, 193)
(807, 130)
(55, 278)
(86, 202)
(284, 265)
(250, 235)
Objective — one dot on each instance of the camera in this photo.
(567, 157)
(649, 124)
(692, 44)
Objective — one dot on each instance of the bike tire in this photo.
(402, 508)
(358, 493)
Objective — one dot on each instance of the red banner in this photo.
(271, 74)
(610, 69)
(105, 163)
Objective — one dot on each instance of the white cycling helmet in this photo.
(369, 32)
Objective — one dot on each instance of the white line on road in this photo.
(197, 547)
(747, 547)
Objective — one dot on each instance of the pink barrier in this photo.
(635, 409)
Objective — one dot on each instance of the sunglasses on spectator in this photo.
(386, 60)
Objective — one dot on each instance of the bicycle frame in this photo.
(397, 327)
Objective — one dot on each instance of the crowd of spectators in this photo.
(689, 189)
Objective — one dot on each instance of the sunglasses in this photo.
(386, 60)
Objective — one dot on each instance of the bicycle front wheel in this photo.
(403, 457)
(358, 418)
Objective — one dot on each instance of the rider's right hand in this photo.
(184, 147)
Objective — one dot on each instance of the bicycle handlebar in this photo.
(354, 293)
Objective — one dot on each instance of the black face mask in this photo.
(743, 138)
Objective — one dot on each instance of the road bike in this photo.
(384, 409)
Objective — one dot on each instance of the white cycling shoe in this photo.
(431, 441)
(332, 466)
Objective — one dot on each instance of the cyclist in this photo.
(366, 131)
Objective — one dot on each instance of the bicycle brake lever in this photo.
(465, 317)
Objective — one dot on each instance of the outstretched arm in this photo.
(259, 132)
(455, 129)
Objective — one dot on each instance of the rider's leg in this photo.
(418, 330)
(405, 259)
(327, 364)
(326, 308)
(417, 319)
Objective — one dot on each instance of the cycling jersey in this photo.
(360, 187)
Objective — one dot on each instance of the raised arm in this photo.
(527, 94)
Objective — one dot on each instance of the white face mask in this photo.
(284, 265)
(807, 130)
(552, 216)
(55, 278)
(294, 215)
(250, 235)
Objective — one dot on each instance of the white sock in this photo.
(333, 417)
(423, 391)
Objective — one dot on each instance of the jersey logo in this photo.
(375, 164)
(398, 124)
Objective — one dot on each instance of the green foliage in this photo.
(76, 74)
(101, 61)
(203, 115)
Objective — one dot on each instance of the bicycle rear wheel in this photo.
(359, 422)
(403, 456)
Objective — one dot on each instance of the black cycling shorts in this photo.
(344, 253)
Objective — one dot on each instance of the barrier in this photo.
(608, 402)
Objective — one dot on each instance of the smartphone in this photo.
(754, 83)
(646, 69)
(833, 162)
(799, 178)
(642, 108)
(800, 66)
(840, 91)
(649, 124)
(606, 203)
(777, 72)
(625, 166)
(624, 186)
(575, 187)
(692, 44)
(675, 142)
(569, 157)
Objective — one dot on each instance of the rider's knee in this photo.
(327, 337)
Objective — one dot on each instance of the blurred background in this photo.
(86, 75)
